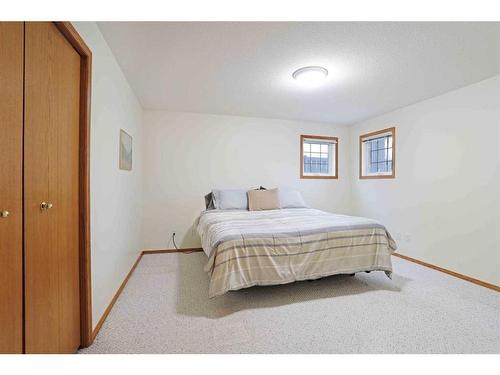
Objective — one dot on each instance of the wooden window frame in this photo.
(325, 138)
(391, 130)
(72, 36)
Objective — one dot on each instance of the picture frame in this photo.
(125, 150)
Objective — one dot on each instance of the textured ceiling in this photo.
(245, 68)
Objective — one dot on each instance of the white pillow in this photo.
(291, 199)
(230, 199)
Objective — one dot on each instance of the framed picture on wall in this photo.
(125, 151)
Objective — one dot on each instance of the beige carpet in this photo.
(165, 309)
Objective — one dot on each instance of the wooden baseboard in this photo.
(122, 286)
(115, 297)
(162, 251)
(452, 273)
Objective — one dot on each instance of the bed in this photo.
(247, 248)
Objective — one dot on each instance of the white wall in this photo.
(116, 195)
(187, 154)
(444, 205)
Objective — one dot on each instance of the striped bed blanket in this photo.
(247, 248)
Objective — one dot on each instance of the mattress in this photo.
(247, 248)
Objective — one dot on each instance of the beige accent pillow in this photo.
(263, 200)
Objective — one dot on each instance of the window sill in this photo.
(375, 176)
(318, 177)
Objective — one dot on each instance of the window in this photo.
(377, 154)
(318, 156)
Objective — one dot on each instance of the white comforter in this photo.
(216, 226)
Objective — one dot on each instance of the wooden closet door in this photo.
(51, 137)
(11, 169)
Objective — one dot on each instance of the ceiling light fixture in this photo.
(310, 76)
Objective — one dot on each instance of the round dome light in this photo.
(310, 76)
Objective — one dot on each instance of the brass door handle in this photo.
(4, 214)
(45, 205)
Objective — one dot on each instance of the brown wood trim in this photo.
(161, 251)
(67, 29)
(452, 273)
(125, 281)
(327, 138)
(115, 298)
(70, 33)
(361, 137)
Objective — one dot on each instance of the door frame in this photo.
(72, 36)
